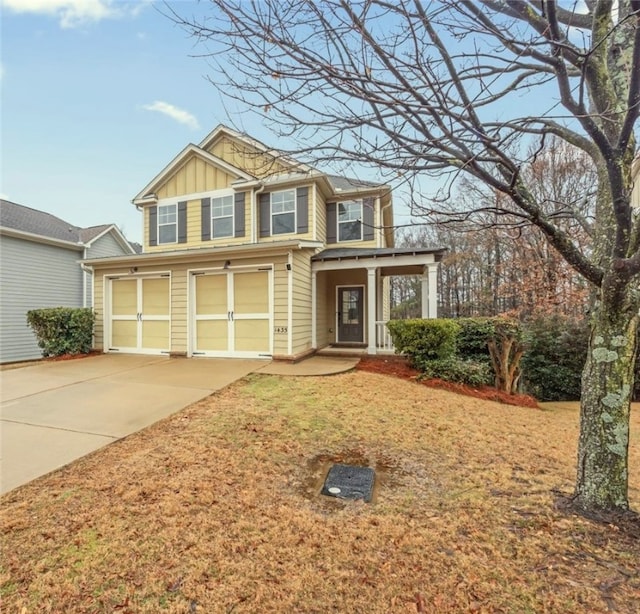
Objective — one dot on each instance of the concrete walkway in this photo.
(56, 412)
(316, 365)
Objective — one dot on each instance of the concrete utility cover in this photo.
(349, 482)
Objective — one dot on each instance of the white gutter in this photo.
(84, 278)
(12, 232)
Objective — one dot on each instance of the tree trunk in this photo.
(607, 385)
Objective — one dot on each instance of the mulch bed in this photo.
(397, 366)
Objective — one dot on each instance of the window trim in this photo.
(219, 195)
(294, 211)
(174, 224)
(360, 219)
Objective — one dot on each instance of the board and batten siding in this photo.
(251, 160)
(193, 177)
(106, 245)
(323, 327)
(33, 276)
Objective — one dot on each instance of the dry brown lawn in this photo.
(216, 509)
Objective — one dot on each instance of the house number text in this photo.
(283, 330)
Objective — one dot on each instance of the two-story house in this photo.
(247, 253)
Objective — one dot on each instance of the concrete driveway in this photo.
(56, 412)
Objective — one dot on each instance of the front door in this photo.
(350, 315)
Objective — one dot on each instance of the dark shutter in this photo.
(182, 222)
(239, 214)
(265, 215)
(153, 226)
(205, 208)
(331, 223)
(368, 219)
(302, 210)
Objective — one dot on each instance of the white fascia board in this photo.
(145, 196)
(29, 236)
(196, 253)
(366, 262)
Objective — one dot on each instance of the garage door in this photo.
(140, 314)
(232, 313)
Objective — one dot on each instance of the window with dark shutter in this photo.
(182, 222)
(205, 221)
(331, 223)
(368, 219)
(265, 215)
(302, 210)
(239, 214)
(153, 226)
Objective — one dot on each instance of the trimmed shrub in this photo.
(470, 372)
(556, 350)
(472, 342)
(62, 330)
(423, 340)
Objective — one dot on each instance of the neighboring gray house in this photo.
(40, 267)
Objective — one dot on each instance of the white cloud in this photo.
(180, 115)
(73, 13)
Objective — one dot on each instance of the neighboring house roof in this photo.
(28, 221)
(355, 253)
(346, 184)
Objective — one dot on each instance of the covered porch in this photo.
(350, 294)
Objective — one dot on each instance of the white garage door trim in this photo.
(229, 315)
(140, 317)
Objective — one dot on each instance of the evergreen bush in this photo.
(62, 330)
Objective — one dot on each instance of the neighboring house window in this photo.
(222, 217)
(167, 223)
(283, 212)
(350, 221)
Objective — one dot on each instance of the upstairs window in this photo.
(350, 221)
(283, 212)
(222, 217)
(167, 223)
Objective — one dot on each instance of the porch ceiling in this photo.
(390, 261)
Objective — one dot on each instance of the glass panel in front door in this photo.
(350, 315)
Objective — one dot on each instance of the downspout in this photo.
(84, 277)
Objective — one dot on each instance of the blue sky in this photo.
(97, 97)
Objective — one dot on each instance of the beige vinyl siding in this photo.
(241, 155)
(193, 177)
(322, 321)
(301, 333)
(281, 307)
(320, 216)
(194, 229)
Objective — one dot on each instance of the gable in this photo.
(194, 176)
(251, 159)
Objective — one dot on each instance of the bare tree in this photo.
(464, 87)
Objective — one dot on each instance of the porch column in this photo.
(314, 310)
(371, 310)
(429, 282)
(379, 295)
